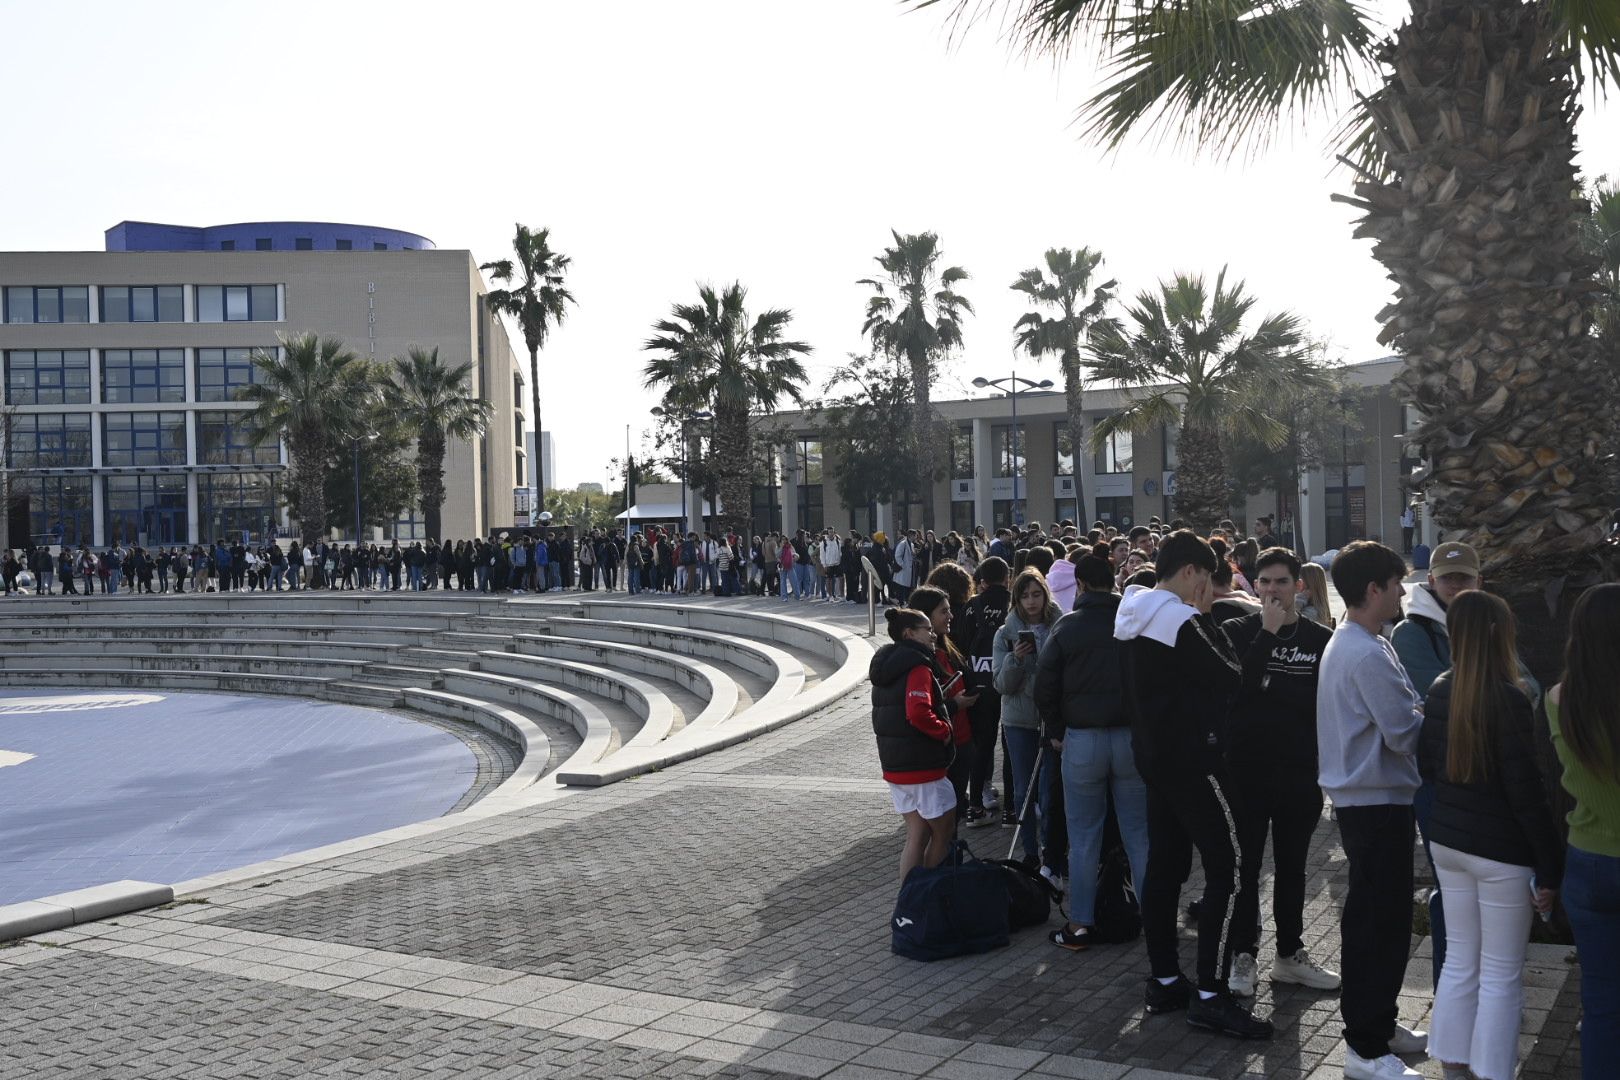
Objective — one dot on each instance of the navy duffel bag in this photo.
(953, 909)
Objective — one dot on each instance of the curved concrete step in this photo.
(717, 690)
(658, 714)
(597, 734)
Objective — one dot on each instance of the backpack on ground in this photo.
(1030, 897)
(954, 909)
(1118, 915)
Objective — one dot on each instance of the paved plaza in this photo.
(724, 917)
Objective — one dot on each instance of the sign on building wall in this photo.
(522, 506)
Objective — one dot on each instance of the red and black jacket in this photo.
(909, 717)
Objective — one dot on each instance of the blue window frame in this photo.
(237, 303)
(261, 243)
(224, 438)
(233, 504)
(143, 438)
(345, 245)
(303, 243)
(221, 372)
(47, 303)
(58, 507)
(227, 245)
(48, 377)
(143, 303)
(140, 376)
(50, 441)
(146, 510)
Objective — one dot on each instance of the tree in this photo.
(915, 315)
(437, 404)
(710, 356)
(867, 415)
(1075, 305)
(312, 395)
(1464, 157)
(539, 302)
(1185, 348)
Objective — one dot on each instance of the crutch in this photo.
(1029, 793)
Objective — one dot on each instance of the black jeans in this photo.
(982, 753)
(1284, 801)
(1183, 813)
(1376, 928)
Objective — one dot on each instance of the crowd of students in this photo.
(1196, 693)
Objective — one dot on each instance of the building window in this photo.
(48, 304)
(303, 243)
(146, 510)
(221, 372)
(236, 506)
(1114, 455)
(140, 376)
(237, 303)
(378, 245)
(1009, 446)
(227, 245)
(1067, 510)
(50, 441)
(1172, 452)
(408, 526)
(143, 438)
(766, 510)
(225, 438)
(1007, 514)
(48, 377)
(261, 243)
(1116, 510)
(1062, 450)
(345, 245)
(962, 518)
(58, 507)
(142, 303)
(962, 452)
(807, 460)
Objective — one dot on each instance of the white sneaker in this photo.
(1061, 884)
(1244, 973)
(1388, 1067)
(1408, 1041)
(991, 802)
(1302, 971)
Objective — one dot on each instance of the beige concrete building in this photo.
(120, 368)
(1002, 474)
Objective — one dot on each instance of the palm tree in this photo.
(1464, 158)
(1186, 347)
(311, 395)
(437, 403)
(539, 303)
(915, 316)
(711, 356)
(1076, 304)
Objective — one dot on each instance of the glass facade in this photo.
(1116, 510)
(50, 441)
(143, 303)
(231, 505)
(1114, 455)
(224, 438)
(48, 377)
(1008, 514)
(1009, 446)
(59, 507)
(47, 303)
(220, 372)
(962, 518)
(146, 510)
(962, 452)
(143, 438)
(142, 376)
(1062, 449)
(237, 303)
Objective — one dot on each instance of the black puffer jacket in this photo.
(1505, 817)
(1078, 680)
(902, 748)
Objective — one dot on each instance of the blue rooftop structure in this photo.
(262, 236)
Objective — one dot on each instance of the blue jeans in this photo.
(1422, 810)
(1022, 744)
(1095, 761)
(728, 583)
(415, 578)
(113, 577)
(554, 575)
(635, 580)
(1592, 899)
(805, 572)
(787, 577)
(278, 574)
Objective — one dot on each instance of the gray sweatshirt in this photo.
(1367, 722)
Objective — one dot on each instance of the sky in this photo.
(664, 144)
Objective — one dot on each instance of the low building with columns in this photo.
(1004, 474)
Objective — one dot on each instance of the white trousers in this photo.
(1480, 999)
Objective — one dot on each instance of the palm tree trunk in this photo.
(308, 468)
(1202, 491)
(1481, 231)
(539, 444)
(732, 467)
(923, 434)
(1073, 398)
(430, 482)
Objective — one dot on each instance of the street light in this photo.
(682, 418)
(1345, 403)
(355, 442)
(1012, 386)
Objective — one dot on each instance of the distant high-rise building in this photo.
(550, 458)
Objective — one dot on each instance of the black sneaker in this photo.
(977, 817)
(1194, 910)
(1225, 1016)
(1162, 999)
(1009, 818)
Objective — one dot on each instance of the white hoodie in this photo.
(1061, 581)
(1156, 614)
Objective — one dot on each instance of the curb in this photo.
(79, 906)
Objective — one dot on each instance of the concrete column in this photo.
(984, 464)
(194, 510)
(788, 461)
(885, 520)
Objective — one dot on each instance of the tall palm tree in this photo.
(709, 355)
(1186, 347)
(536, 298)
(311, 395)
(437, 403)
(1463, 142)
(915, 316)
(1074, 305)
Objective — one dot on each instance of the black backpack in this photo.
(953, 909)
(1118, 915)
(983, 623)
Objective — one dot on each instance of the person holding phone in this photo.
(935, 603)
(1012, 665)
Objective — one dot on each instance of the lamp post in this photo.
(1012, 386)
(355, 442)
(682, 418)
(1345, 403)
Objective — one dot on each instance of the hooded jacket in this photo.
(1421, 640)
(1061, 582)
(1078, 681)
(1180, 677)
(1015, 675)
(915, 740)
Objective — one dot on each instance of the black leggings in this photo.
(986, 733)
(1186, 812)
(1285, 801)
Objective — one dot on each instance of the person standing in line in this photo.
(1368, 718)
(1494, 838)
(1180, 675)
(1583, 712)
(905, 561)
(982, 617)
(1272, 756)
(788, 557)
(1015, 652)
(935, 603)
(64, 569)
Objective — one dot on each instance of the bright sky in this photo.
(663, 143)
